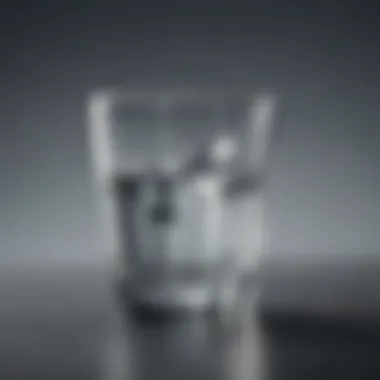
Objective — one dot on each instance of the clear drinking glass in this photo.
(180, 177)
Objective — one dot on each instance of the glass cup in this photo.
(180, 176)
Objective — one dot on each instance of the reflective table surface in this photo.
(66, 324)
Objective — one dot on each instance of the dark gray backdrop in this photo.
(320, 56)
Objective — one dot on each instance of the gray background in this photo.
(323, 191)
